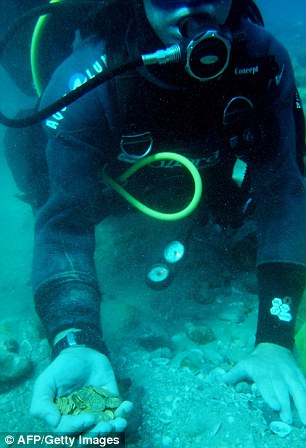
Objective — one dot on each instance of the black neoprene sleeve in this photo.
(281, 287)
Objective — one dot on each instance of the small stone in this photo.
(212, 356)
(160, 361)
(12, 366)
(165, 416)
(281, 429)
(191, 361)
(234, 313)
(25, 348)
(199, 334)
(243, 388)
(216, 376)
(189, 365)
(255, 390)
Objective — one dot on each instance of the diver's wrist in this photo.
(75, 337)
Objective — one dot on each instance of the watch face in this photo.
(174, 252)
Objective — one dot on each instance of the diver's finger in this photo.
(100, 429)
(42, 405)
(119, 424)
(124, 409)
(75, 424)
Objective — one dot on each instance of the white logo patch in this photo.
(281, 309)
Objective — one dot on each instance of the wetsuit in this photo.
(187, 117)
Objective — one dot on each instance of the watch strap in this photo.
(81, 338)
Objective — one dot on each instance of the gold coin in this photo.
(90, 399)
(103, 417)
(113, 402)
(65, 405)
(84, 394)
(77, 401)
(109, 413)
(101, 390)
(96, 403)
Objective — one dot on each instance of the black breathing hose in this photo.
(71, 97)
(74, 94)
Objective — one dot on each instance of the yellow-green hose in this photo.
(142, 207)
(35, 50)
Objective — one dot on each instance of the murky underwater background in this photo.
(168, 348)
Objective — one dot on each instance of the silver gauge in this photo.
(159, 276)
(174, 252)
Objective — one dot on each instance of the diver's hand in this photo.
(70, 371)
(277, 377)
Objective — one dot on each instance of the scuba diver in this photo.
(233, 97)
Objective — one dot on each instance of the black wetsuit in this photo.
(186, 117)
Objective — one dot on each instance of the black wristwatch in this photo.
(81, 338)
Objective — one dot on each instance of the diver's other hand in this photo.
(277, 377)
(73, 369)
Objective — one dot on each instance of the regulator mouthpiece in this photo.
(191, 26)
(205, 56)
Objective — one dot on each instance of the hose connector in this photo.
(161, 57)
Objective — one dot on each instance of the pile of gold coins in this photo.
(90, 399)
